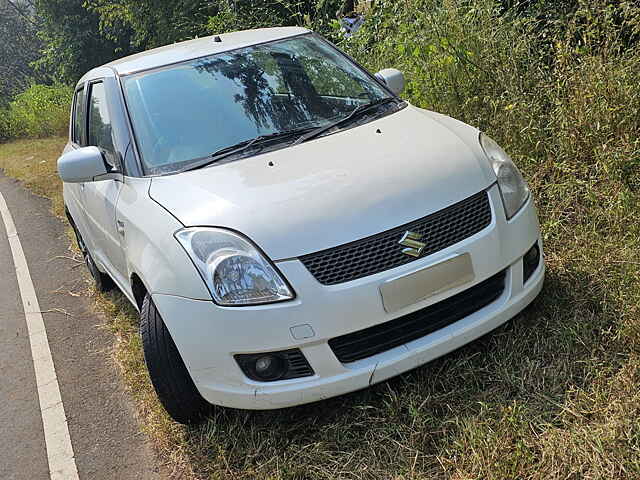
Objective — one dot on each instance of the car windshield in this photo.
(183, 113)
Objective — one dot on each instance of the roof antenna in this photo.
(217, 39)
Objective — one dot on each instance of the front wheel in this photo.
(169, 375)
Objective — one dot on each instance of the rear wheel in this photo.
(169, 375)
(102, 281)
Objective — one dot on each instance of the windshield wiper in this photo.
(245, 145)
(360, 109)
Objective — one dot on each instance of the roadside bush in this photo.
(563, 108)
(40, 111)
(4, 124)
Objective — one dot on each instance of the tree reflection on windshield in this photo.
(269, 109)
(189, 110)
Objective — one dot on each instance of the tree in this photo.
(153, 22)
(74, 41)
(160, 22)
(19, 46)
(76, 35)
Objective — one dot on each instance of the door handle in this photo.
(120, 227)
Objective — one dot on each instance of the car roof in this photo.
(191, 49)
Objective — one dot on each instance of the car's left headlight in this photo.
(513, 187)
(235, 272)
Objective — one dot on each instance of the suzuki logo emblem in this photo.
(412, 241)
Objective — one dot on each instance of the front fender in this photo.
(151, 250)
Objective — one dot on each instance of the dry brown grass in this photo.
(34, 163)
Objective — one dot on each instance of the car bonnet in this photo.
(334, 189)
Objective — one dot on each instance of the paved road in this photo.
(105, 436)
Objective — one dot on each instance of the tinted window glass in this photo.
(78, 117)
(100, 133)
(185, 112)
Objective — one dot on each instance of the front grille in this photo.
(381, 252)
(385, 336)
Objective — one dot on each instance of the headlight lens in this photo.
(513, 188)
(233, 269)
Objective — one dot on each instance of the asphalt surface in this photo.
(105, 434)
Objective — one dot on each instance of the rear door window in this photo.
(78, 117)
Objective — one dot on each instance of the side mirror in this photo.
(82, 165)
(393, 79)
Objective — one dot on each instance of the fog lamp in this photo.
(270, 367)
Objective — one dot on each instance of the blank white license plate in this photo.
(414, 287)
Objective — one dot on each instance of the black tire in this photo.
(102, 281)
(169, 375)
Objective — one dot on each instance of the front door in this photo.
(100, 198)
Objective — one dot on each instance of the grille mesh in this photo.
(381, 252)
(385, 336)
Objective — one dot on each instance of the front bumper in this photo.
(208, 335)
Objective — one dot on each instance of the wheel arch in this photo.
(138, 289)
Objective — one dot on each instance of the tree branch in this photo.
(21, 13)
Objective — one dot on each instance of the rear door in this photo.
(100, 198)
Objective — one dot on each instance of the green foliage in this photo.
(39, 111)
(19, 47)
(73, 41)
(565, 99)
(4, 124)
(247, 14)
(153, 23)
(77, 35)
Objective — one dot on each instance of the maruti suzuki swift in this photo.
(288, 227)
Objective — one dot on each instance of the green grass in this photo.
(553, 394)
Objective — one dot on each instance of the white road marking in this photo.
(62, 464)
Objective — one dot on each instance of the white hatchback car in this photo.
(288, 227)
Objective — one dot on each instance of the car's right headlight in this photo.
(235, 272)
(513, 187)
